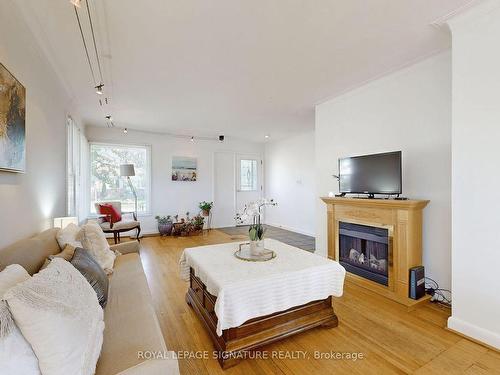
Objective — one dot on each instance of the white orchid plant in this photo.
(253, 211)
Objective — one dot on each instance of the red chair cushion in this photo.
(108, 209)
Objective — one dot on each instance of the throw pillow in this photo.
(10, 276)
(94, 241)
(68, 235)
(67, 333)
(109, 209)
(16, 355)
(66, 254)
(93, 272)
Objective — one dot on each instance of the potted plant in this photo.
(205, 207)
(165, 225)
(198, 222)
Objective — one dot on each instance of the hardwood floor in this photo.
(391, 340)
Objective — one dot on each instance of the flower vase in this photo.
(256, 247)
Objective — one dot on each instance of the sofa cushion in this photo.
(93, 272)
(121, 225)
(131, 322)
(31, 252)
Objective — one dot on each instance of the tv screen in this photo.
(371, 174)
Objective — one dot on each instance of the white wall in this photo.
(409, 110)
(476, 175)
(290, 180)
(170, 197)
(29, 201)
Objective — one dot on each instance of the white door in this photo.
(224, 209)
(249, 180)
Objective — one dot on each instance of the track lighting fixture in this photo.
(76, 3)
(98, 89)
(125, 131)
(109, 118)
(192, 139)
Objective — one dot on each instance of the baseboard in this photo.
(473, 332)
(292, 229)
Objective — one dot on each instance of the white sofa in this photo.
(131, 325)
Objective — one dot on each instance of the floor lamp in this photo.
(127, 170)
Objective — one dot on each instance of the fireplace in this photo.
(364, 251)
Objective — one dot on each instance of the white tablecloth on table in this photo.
(247, 290)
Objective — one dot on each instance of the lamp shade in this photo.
(63, 222)
(127, 170)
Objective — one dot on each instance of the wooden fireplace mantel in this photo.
(403, 219)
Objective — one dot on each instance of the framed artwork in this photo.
(184, 168)
(12, 123)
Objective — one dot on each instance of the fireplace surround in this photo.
(401, 220)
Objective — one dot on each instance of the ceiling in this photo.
(241, 68)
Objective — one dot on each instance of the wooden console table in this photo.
(403, 219)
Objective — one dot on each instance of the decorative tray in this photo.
(243, 253)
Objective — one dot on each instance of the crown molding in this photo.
(472, 7)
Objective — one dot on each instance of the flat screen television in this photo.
(371, 174)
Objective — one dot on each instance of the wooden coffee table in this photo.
(256, 332)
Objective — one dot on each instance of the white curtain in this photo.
(77, 155)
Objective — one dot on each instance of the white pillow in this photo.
(10, 276)
(58, 313)
(94, 241)
(16, 354)
(68, 235)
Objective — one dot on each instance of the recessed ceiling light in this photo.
(266, 136)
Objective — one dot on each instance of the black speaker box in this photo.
(417, 282)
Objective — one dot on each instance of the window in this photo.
(248, 175)
(106, 183)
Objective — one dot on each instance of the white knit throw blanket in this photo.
(6, 321)
(247, 290)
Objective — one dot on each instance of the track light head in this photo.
(76, 3)
(192, 139)
(125, 131)
(109, 121)
(98, 89)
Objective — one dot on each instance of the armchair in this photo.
(127, 223)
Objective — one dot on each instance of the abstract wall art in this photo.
(12, 123)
